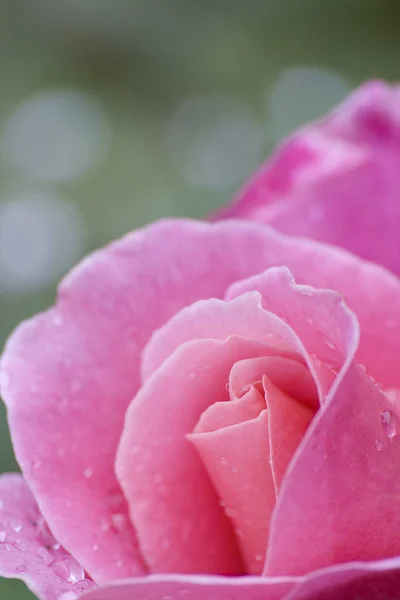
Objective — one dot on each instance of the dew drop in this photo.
(84, 585)
(22, 569)
(227, 387)
(223, 460)
(15, 525)
(258, 557)
(231, 512)
(95, 547)
(363, 368)
(234, 469)
(118, 520)
(2, 534)
(68, 569)
(378, 445)
(88, 472)
(389, 423)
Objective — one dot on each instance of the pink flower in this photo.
(337, 180)
(204, 402)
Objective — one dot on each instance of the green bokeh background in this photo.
(141, 59)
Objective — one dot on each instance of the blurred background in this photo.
(117, 112)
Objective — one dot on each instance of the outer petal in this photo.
(68, 375)
(176, 587)
(25, 552)
(340, 499)
(370, 291)
(337, 180)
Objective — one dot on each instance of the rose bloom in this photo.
(210, 410)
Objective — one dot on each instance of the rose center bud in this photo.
(246, 443)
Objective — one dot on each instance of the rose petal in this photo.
(347, 506)
(288, 420)
(176, 587)
(82, 358)
(370, 291)
(236, 458)
(27, 550)
(68, 375)
(179, 521)
(336, 180)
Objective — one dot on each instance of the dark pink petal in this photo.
(173, 504)
(204, 587)
(337, 180)
(362, 581)
(236, 458)
(288, 420)
(27, 549)
(340, 499)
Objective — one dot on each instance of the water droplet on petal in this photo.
(118, 521)
(234, 469)
(95, 547)
(258, 557)
(2, 534)
(363, 368)
(223, 460)
(230, 512)
(22, 569)
(16, 525)
(378, 445)
(88, 472)
(46, 538)
(389, 422)
(84, 585)
(68, 568)
(57, 320)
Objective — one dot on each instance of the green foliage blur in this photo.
(160, 88)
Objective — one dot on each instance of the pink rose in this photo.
(337, 180)
(188, 413)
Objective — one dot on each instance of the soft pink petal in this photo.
(204, 587)
(68, 375)
(27, 549)
(290, 376)
(236, 458)
(82, 358)
(224, 414)
(337, 180)
(340, 500)
(288, 420)
(176, 511)
(370, 291)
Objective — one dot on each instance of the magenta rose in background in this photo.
(210, 410)
(336, 180)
